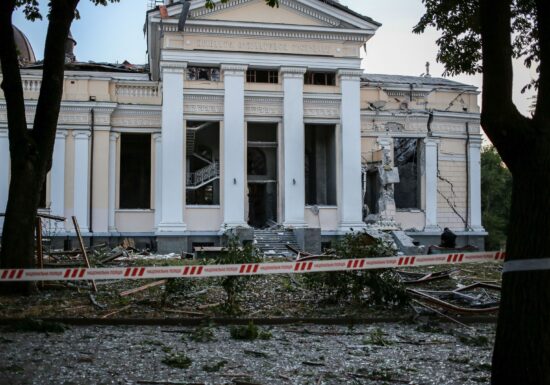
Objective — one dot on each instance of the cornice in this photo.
(171, 67)
(349, 74)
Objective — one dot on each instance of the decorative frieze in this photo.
(263, 106)
(203, 104)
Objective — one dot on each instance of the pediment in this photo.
(256, 11)
(303, 13)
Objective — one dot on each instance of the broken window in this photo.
(406, 159)
(203, 163)
(320, 164)
(135, 171)
(262, 76)
(203, 73)
(320, 78)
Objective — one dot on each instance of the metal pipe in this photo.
(91, 184)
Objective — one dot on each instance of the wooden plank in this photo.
(81, 242)
(39, 250)
(141, 288)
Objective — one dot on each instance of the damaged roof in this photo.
(125, 67)
(379, 79)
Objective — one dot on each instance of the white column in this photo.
(4, 174)
(293, 146)
(173, 149)
(350, 205)
(430, 149)
(57, 178)
(113, 140)
(157, 138)
(234, 147)
(474, 187)
(81, 179)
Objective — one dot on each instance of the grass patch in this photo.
(479, 341)
(202, 334)
(249, 332)
(378, 338)
(215, 367)
(177, 360)
(12, 369)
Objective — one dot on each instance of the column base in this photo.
(295, 225)
(432, 229)
(351, 227)
(171, 228)
(477, 229)
(233, 225)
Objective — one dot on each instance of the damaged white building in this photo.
(255, 118)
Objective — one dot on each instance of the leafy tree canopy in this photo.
(460, 25)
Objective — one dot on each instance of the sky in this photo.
(115, 33)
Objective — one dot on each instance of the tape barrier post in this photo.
(268, 268)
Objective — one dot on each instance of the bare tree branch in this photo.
(542, 110)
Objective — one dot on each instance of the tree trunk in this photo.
(522, 347)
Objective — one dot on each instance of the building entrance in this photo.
(262, 174)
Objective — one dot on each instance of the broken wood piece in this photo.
(52, 217)
(81, 241)
(112, 257)
(190, 313)
(208, 306)
(116, 311)
(141, 288)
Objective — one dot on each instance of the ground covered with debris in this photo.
(397, 353)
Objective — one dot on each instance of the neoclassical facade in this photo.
(249, 117)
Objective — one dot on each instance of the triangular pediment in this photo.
(256, 11)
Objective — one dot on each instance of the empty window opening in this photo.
(203, 163)
(203, 73)
(135, 171)
(320, 78)
(372, 193)
(262, 174)
(262, 76)
(320, 164)
(406, 159)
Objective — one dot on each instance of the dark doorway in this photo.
(262, 174)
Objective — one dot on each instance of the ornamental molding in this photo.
(263, 106)
(293, 72)
(225, 31)
(203, 104)
(233, 69)
(346, 74)
(136, 118)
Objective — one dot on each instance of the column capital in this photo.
(431, 141)
(293, 72)
(157, 136)
(59, 134)
(3, 133)
(173, 67)
(81, 135)
(475, 141)
(234, 69)
(350, 74)
(113, 136)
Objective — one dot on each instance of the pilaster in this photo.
(431, 149)
(81, 194)
(474, 185)
(157, 140)
(57, 178)
(350, 204)
(234, 147)
(113, 144)
(294, 145)
(173, 149)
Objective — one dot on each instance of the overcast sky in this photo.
(115, 34)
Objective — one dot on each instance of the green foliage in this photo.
(496, 197)
(383, 285)
(235, 253)
(378, 338)
(31, 8)
(211, 3)
(460, 25)
(202, 334)
(249, 332)
(215, 367)
(177, 360)
(177, 286)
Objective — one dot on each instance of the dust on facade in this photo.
(253, 118)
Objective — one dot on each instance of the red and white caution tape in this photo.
(205, 271)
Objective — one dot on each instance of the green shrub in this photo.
(249, 332)
(236, 253)
(177, 360)
(383, 286)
